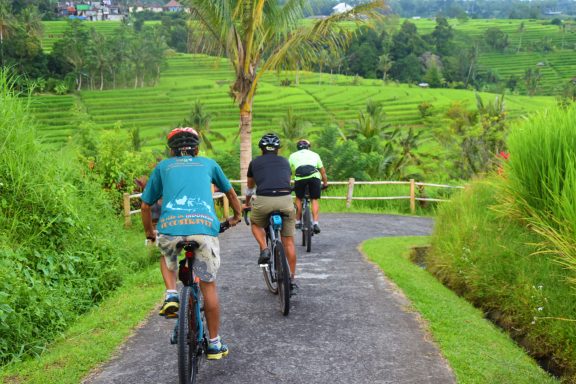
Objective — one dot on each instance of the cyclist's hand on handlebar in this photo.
(234, 220)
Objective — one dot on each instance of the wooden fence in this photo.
(412, 186)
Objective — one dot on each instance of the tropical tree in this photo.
(385, 63)
(532, 79)
(259, 35)
(7, 25)
(292, 128)
(32, 22)
(371, 128)
(199, 119)
(98, 54)
(74, 49)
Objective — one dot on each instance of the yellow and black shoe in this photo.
(170, 307)
(215, 353)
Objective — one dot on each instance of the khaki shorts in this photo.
(262, 206)
(207, 256)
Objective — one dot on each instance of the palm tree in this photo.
(385, 63)
(371, 128)
(258, 35)
(293, 128)
(32, 22)
(199, 119)
(7, 26)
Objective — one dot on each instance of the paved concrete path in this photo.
(347, 325)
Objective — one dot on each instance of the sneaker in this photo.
(215, 353)
(293, 289)
(316, 228)
(298, 225)
(170, 307)
(264, 256)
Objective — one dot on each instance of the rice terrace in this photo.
(445, 129)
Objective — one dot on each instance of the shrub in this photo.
(60, 247)
(492, 261)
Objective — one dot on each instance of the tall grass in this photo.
(541, 180)
(60, 250)
(492, 261)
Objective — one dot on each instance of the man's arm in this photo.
(251, 185)
(324, 177)
(147, 222)
(236, 207)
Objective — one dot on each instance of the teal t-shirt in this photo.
(184, 184)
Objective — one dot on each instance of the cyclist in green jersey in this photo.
(308, 172)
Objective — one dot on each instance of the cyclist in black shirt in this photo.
(269, 190)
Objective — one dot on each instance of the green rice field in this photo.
(321, 99)
(189, 77)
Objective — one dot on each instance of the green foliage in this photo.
(491, 258)
(496, 39)
(541, 182)
(112, 161)
(478, 136)
(61, 251)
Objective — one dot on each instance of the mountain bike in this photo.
(276, 272)
(190, 331)
(307, 231)
(307, 222)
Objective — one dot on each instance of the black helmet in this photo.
(183, 138)
(303, 144)
(269, 142)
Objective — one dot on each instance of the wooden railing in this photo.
(412, 186)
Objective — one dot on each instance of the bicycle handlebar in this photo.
(224, 225)
(245, 214)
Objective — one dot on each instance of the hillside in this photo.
(319, 99)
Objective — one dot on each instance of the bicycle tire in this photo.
(308, 226)
(270, 279)
(187, 339)
(283, 277)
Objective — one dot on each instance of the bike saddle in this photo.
(188, 245)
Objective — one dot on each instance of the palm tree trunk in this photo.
(245, 140)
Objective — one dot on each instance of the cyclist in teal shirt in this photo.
(184, 183)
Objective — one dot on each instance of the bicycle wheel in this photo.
(308, 225)
(187, 338)
(270, 278)
(283, 277)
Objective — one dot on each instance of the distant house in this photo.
(139, 7)
(173, 6)
(341, 8)
(154, 8)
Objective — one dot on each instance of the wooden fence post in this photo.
(350, 192)
(127, 221)
(225, 206)
(412, 196)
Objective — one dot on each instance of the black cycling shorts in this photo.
(314, 185)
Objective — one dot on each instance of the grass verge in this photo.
(94, 337)
(477, 351)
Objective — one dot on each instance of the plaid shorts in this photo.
(207, 256)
